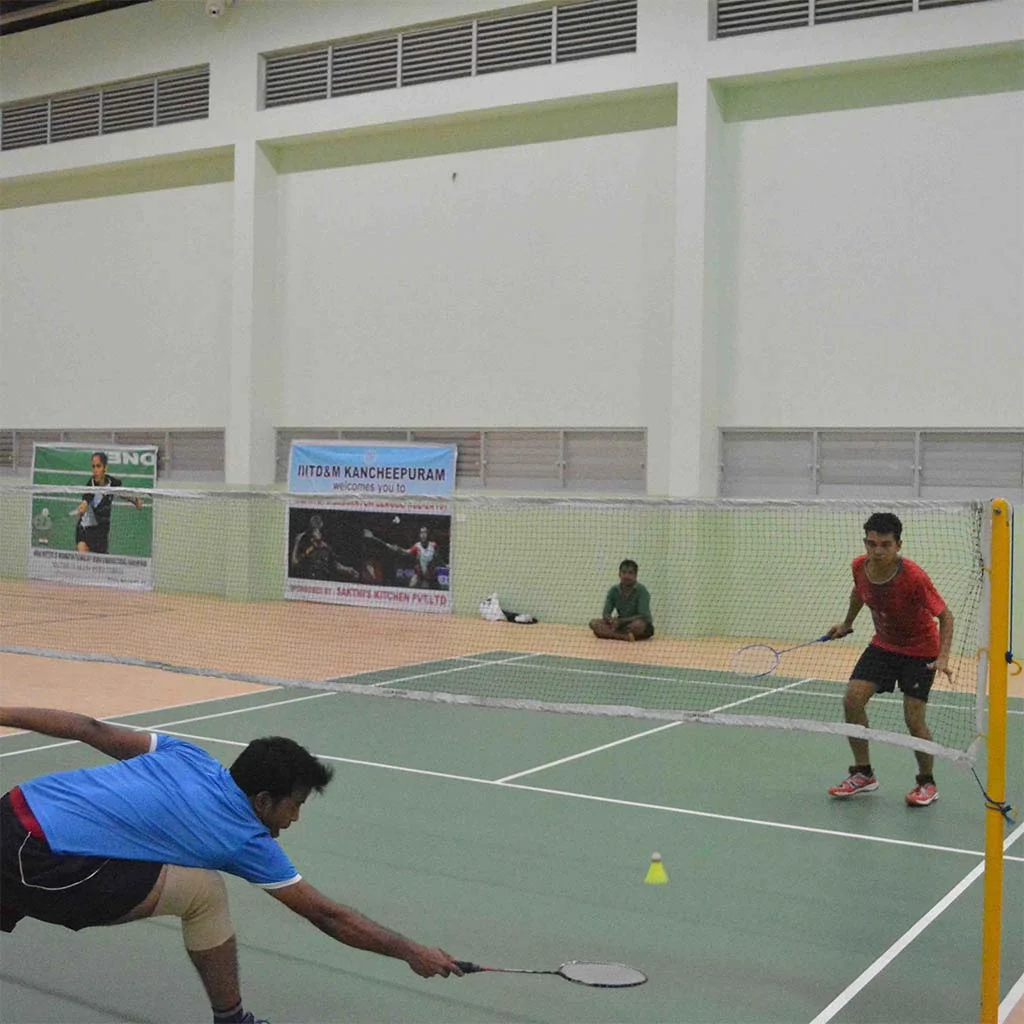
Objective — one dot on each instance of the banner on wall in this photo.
(319, 467)
(372, 553)
(95, 536)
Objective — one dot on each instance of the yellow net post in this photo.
(998, 670)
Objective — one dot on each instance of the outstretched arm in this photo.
(113, 740)
(352, 928)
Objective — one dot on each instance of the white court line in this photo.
(438, 672)
(830, 1011)
(613, 801)
(737, 819)
(720, 684)
(153, 711)
(759, 696)
(161, 727)
(237, 711)
(861, 982)
(587, 753)
(641, 676)
(1013, 997)
(638, 736)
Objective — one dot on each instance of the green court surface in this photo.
(522, 839)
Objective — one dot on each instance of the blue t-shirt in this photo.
(174, 805)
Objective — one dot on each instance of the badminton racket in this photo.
(583, 972)
(757, 660)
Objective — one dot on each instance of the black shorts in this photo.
(96, 537)
(884, 669)
(76, 892)
(645, 635)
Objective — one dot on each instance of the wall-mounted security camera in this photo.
(218, 8)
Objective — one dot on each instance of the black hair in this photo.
(102, 456)
(278, 766)
(628, 563)
(884, 523)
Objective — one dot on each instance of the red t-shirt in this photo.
(903, 610)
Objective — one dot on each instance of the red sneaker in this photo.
(854, 784)
(923, 794)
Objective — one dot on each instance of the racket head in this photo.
(754, 660)
(600, 974)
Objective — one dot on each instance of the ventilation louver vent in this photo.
(8, 453)
(128, 106)
(847, 10)
(595, 29)
(739, 17)
(295, 78)
(74, 117)
(187, 454)
(519, 41)
(120, 107)
(364, 66)
(183, 97)
(27, 125)
(605, 461)
(435, 53)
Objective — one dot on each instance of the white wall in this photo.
(113, 312)
(875, 272)
(853, 267)
(516, 286)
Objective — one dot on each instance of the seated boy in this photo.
(627, 608)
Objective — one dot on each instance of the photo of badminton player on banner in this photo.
(374, 554)
(97, 529)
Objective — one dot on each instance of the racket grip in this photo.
(467, 966)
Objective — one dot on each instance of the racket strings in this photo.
(602, 975)
(755, 660)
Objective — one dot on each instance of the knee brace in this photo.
(200, 898)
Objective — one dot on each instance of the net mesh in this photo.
(197, 582)
(754, 660)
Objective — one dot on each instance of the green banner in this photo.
(97, 529)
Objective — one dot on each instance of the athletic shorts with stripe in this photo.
(76, 892)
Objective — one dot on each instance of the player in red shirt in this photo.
(907, 649)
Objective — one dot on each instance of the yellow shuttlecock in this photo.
(656, 872)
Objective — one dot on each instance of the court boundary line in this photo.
(896, 739)
(881, 698)
(428, 773)
(829, 1012)
(1012, 998)
(615, 801)
(338, 680)
(880, 963)
(115, 720)
(625, 739)
(156, 710)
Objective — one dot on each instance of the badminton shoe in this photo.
(854, 784)
(923, 794)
